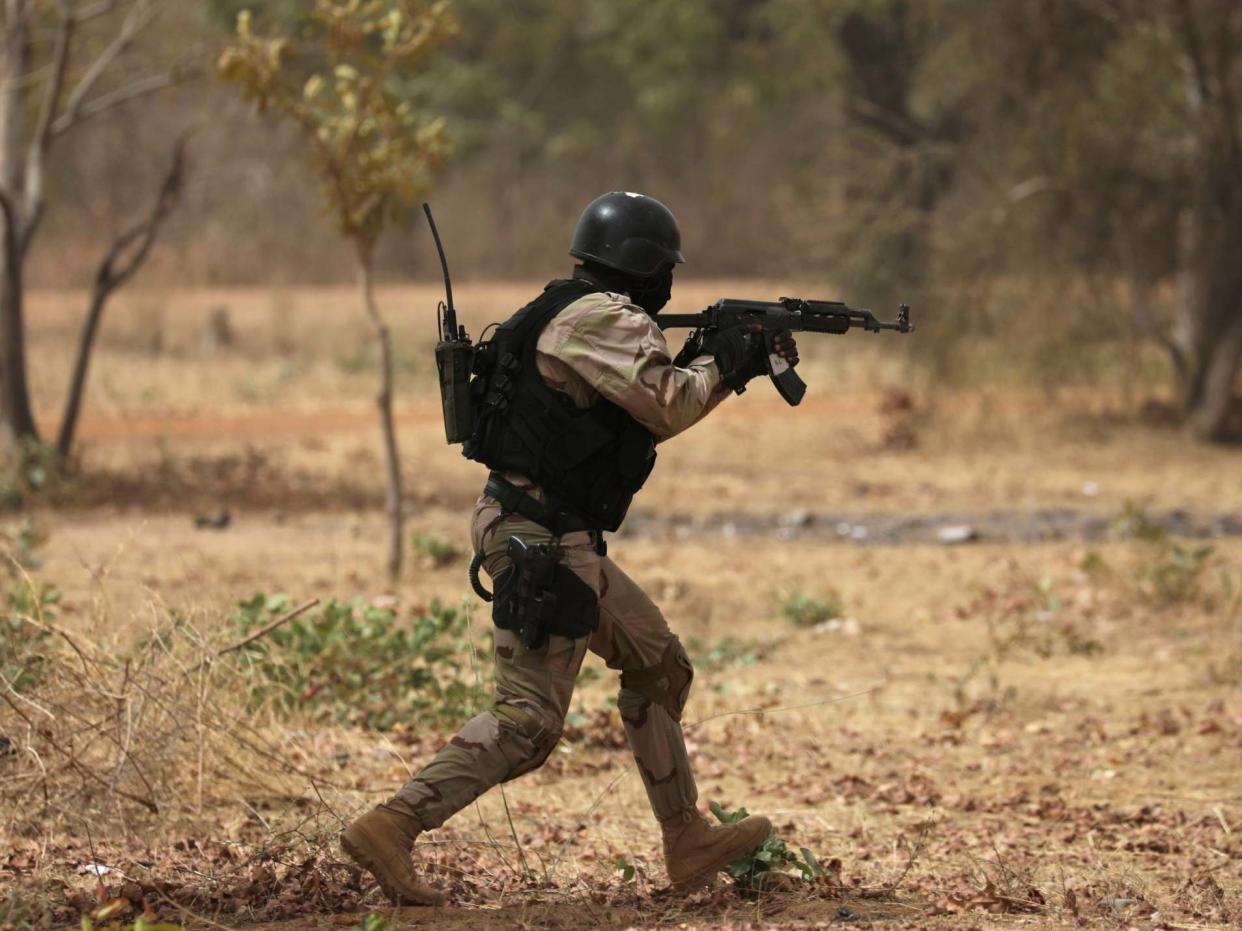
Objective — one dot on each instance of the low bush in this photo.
(435, 551)
(806, 610)
(24, 608)
(728, 652)
(355, 663)
(773, 856)
(23, 641)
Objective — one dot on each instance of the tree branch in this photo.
(1194, 48)
(124, 257)
(1225, 56)
(32, 196)
(144, 232)
(140, 14)
(122, 95)
(95, 10)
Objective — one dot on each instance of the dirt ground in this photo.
(988, 734)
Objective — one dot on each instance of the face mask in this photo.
(653, 293)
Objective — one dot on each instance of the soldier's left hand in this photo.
(786, 346)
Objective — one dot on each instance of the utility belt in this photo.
(538, 595)
(515, 501)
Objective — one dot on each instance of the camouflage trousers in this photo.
(534, 688)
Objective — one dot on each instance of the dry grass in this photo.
(1007, 724)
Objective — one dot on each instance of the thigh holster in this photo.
(540, 596)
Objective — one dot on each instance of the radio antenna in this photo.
(449, 323)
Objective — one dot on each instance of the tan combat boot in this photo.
(381, 842)
(695, 850)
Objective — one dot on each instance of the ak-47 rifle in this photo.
(788, 313)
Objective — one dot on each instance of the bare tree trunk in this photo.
(1210, 417)
(16, 417)
(383, 401)
(1212, 240)
(1213, 309)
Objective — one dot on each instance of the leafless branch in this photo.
(122, 95)
(139, 16)
(1193, 45)
(900, 127)
(123, 258)
(117, 266)
(56, 81)
(95, 10)
(261, 632)
(32, 196)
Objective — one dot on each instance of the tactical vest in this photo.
(589, 461)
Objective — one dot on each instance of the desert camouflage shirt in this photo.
(602, 345)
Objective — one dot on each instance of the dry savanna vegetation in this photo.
(976, 653)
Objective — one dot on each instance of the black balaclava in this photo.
(651, 294)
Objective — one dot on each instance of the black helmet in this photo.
(632, 233)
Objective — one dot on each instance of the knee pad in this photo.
(667, 683)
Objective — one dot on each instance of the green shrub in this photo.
(807, 611)
(352, 663)
(435, 550)
(773, 856)
(1172, 573)
(23, 644)
(372, 922)
(731, 651)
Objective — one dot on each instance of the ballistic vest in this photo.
(589, 462)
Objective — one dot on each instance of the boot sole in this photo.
(707, 874)
(356, 854)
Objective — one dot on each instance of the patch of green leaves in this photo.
(354, 663)
(774, 855)
(804, 610)
(1173, 573)
(373, 922)
(33, 470)
(729, 652)
(23, 641)
(435, 550)
(1133, 523)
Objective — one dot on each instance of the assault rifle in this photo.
(788, 313)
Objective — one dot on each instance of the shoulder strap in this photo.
(556, 296)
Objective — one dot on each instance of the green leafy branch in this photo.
(774, 856)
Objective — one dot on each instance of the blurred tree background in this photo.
(1055, 185)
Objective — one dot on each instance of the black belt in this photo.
(516, 501)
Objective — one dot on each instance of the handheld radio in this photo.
(454, 356)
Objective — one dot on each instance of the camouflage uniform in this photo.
(598, 345)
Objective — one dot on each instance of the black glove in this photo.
(690, 350)
(739, 355)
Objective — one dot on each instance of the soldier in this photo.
(581, 389)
